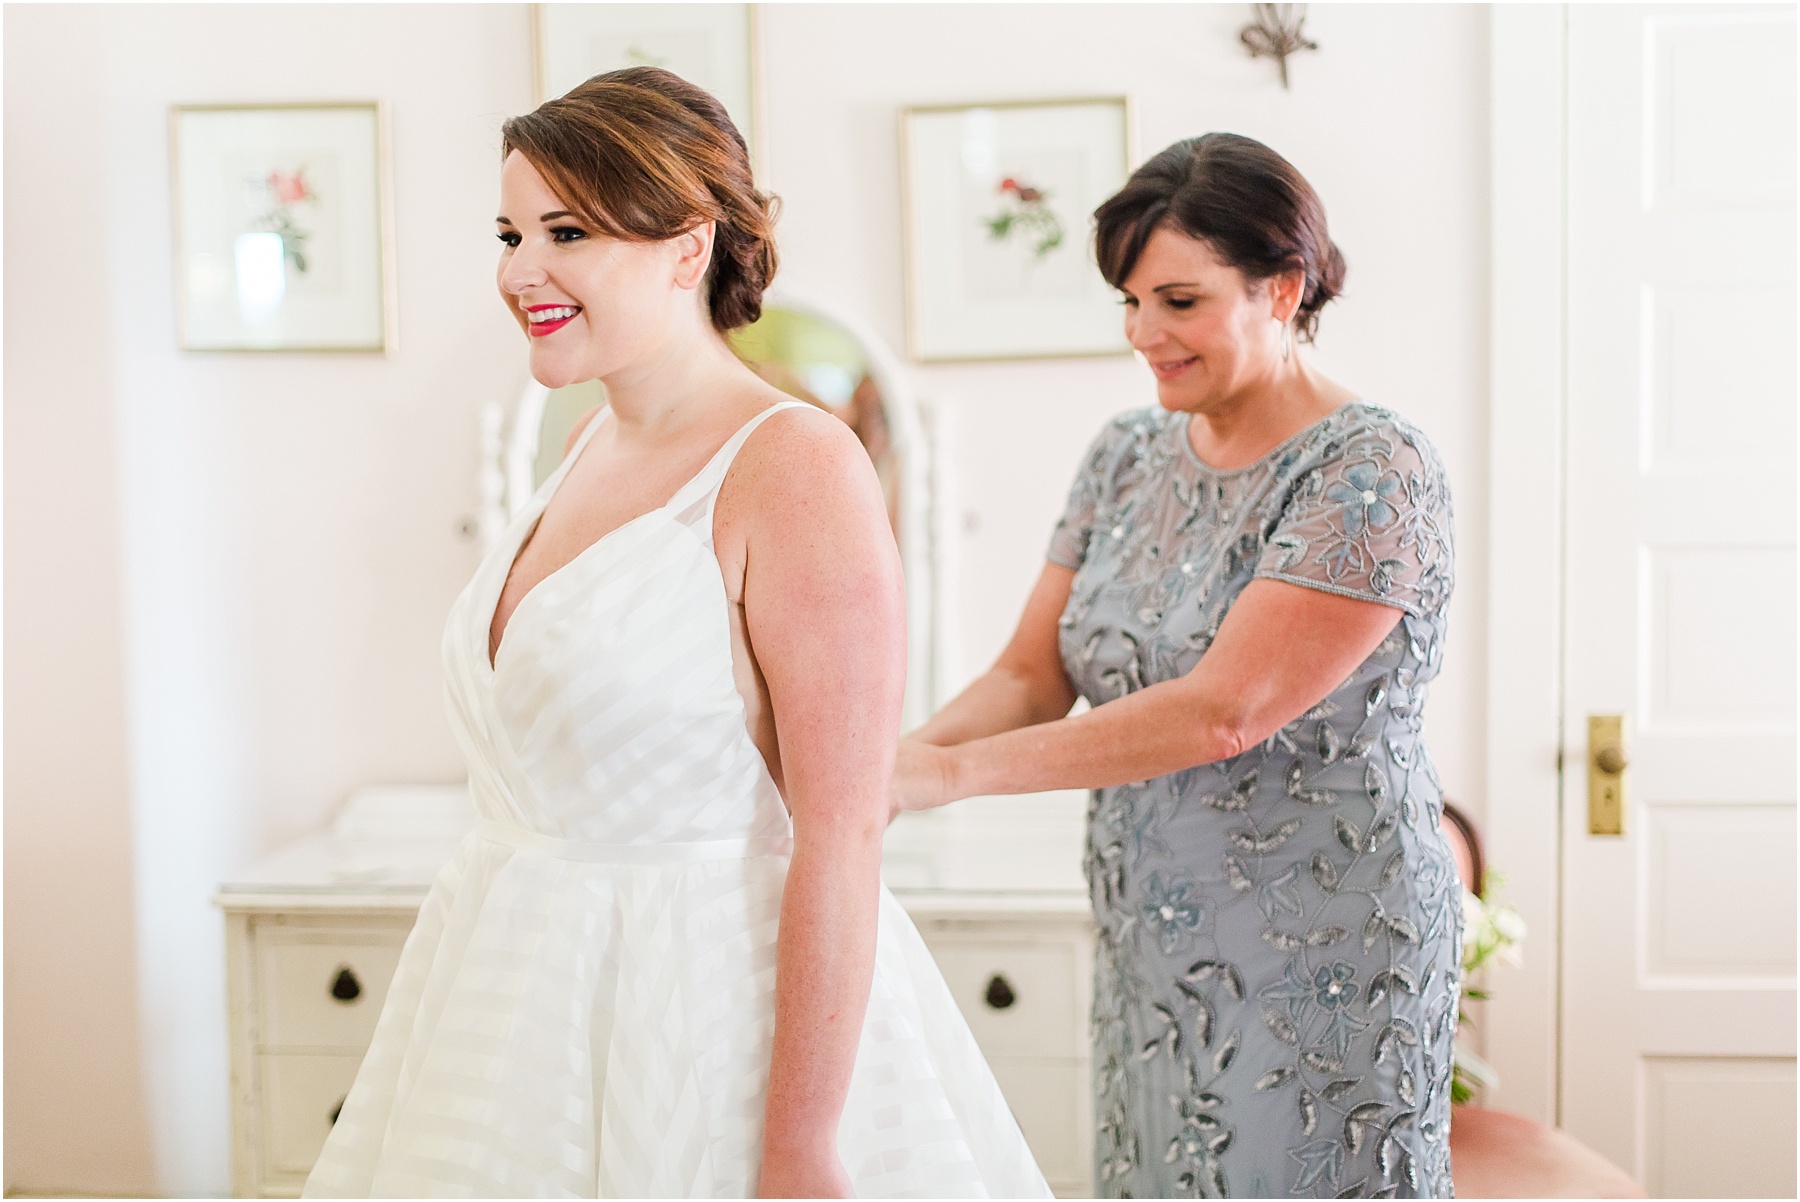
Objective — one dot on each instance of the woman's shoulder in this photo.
(1362, 431)
(1361, 451)
(801, 440)
(802, 459)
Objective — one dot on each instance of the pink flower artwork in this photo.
(285, 189)
(289, 187)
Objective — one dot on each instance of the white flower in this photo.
(1491, 932)
(1511, 930)
(1474, 915)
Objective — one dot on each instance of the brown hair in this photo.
(644, 155)
(1242, 199)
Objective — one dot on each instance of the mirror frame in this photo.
(509, 458)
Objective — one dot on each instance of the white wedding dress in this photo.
(586, 1005)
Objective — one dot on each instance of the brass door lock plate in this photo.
(1607, 762)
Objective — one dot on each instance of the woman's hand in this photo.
(817, 1174)
(922, 777)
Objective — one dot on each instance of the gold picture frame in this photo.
(283, 227)
(996, 207)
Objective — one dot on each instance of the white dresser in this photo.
(313, 933)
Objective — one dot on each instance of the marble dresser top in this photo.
(387, 844)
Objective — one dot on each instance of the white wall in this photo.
(75, 1118)
(228, 574)
(277, 533)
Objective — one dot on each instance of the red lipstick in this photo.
(543, 329)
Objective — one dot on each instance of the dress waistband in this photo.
(633, 853)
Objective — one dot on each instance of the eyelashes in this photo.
(558, 234)
(1180, 305)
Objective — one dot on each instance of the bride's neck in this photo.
(658, 392)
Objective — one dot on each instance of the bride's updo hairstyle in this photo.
(643, 155)
(1239, 197)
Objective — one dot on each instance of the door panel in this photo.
(1702, 400)
(1709, 667)
(1696, 1103)
(1678, 937)
(1721, 100)
(1718, 892)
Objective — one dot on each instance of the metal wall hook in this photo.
(1277, 31)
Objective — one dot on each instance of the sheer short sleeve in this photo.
(1371, 519)
(1069, 541)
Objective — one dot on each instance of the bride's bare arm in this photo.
(825, 613)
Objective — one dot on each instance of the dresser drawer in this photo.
(1049, 1098)
(323, 988)
(301, 1094)
(1022, 998)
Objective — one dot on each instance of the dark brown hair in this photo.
(644, 155)
(1241, 198)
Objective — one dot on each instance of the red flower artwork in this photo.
(1025, 192)
(1027, 212)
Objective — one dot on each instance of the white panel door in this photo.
(1678, 942)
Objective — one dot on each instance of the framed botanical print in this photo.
(283, 227)
(997, 215)
(713, 45)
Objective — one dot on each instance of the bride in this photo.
(664, 963)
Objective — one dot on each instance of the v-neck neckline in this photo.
(491, 647)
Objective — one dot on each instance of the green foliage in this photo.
(1026, 211)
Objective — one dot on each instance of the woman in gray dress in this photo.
(1248, 586)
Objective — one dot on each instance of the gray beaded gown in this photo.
(1276, 987)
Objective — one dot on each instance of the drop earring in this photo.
(1287, 349)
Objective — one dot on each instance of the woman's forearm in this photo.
(824, 963)
(1000, 699)
(1026, 685)
(1158, 730)
(1280, 651)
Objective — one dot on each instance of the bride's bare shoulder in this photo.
(802, 468)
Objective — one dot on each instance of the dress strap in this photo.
(587, 433)
(541, 498)
(693, 504)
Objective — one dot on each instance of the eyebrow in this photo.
(1165, 287)
(555, 215)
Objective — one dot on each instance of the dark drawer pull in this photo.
(337, 1110)
(1000, 994)
(345, 987)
